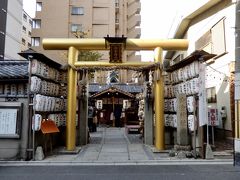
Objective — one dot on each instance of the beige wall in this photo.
(54, 24)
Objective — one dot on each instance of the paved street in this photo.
(112, 155)
(166, 172)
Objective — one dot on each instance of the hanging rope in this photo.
(97, 68)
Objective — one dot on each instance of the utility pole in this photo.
(237, 86)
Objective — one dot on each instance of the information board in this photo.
(8, 121)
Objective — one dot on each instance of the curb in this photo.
(111, 163)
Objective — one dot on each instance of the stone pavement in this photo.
(109, 145)
(113, 145)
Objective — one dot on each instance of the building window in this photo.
(23, 41)
(29, 33)
(211, 95)
(24, 17)
(76, 27)
(39, 6)
(213, 41)
(37, 23)
(30, 22)
(116, 3)
(24, 29)
(29, 45)
(35, 41)
(77, 11)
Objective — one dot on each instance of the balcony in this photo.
(134, 32)
(132, 1)
(134, 21)
(134, 8)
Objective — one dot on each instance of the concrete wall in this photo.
(16, 148)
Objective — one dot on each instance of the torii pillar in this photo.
(159, 103)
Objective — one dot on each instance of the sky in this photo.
(30, 7)
(157, 17)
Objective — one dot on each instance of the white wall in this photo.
(13, 29)
(199, 26)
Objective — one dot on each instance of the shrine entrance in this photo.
(116, 45)
(113, 111)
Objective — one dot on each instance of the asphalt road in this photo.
(123, 172)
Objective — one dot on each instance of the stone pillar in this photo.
(182, 128)
(148, 113)
(83, 116)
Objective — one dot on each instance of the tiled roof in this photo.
(112, 90)
(94, 88)
(40, 57)
(13, 70)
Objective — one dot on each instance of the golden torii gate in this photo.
(73, 45)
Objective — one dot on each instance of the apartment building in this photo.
(26, 31)
(10, 28)
(88, 19)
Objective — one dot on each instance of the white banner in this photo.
(237, 86)
(203, 111)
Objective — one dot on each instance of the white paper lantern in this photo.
(20, 90)
(37, 119)
(190, 104)
(196, 67)
(174, 117)
(191, 121)
(13, 89)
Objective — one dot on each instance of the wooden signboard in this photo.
(48, 126)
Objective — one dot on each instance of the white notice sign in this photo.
(8, 121)
(203, 113)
